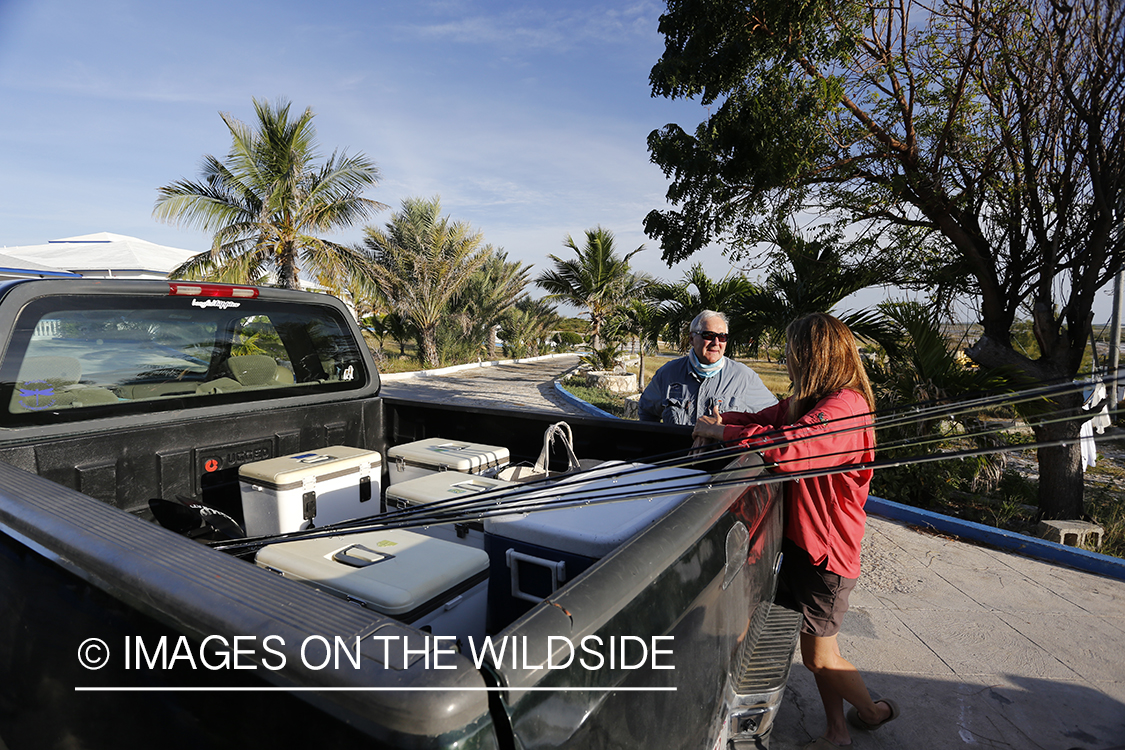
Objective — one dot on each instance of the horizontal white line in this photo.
(368, 689)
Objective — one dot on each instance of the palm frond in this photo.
(271, 199)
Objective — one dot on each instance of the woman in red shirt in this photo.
(825, 424)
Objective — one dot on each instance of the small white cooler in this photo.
(448, 486)
(412, 460)
(431, 584)
(309, 489)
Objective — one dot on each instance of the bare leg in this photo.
(838, 680)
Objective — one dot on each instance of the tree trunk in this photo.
(490, 342)
(429, 348)
(1061, 482)
(287, 271)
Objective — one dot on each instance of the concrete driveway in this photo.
(526, 385)
(980, 648)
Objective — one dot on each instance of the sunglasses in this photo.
(712, 335)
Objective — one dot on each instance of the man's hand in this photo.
(709, 428)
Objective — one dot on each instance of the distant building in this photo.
(101, 255)
(15, 268)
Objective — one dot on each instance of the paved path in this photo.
(981, 648)
(528, 385)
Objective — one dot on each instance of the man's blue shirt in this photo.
(676, 395)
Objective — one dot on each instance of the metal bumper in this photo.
(760, 681)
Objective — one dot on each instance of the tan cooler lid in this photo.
(393, 571)
(455, 455)
(322, 464)
(443, 485)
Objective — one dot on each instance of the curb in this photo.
(393, 376)
(1040, 549)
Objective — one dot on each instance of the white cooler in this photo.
(431, 584)
(309, 489)
(445, 486)
(412, 460)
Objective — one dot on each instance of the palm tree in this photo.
(641, 320)
(267, 202)
(489, 293)
(420, 262)
(920, 367)
(526, 326)
(598, 280)
(677, 305)
(809, 276)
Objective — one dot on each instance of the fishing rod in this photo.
(735, 477)
(939, 408)
(775, 439)
(757, 478)
(529, 496)
(525, 499)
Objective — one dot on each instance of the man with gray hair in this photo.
(703, 380)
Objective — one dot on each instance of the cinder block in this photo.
(1072, 533)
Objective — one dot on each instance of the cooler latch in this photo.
(364, 482)
(308, 499)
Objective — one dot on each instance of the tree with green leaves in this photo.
(920, 366)
(491, 291)
(527, 325)
(420, 261)
(269, 201)
(638, 320)
(993, 130)
(597, 280)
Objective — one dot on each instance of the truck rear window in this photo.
(77, 353)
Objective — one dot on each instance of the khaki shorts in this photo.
(818, 594)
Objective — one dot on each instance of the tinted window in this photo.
(75, 353)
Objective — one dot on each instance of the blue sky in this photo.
(528, 119)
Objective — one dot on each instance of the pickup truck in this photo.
(133, 614)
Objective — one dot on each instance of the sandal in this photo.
(858, 723)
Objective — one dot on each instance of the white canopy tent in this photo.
(14, 268)
(104, 255)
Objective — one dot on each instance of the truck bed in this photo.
(83, 556)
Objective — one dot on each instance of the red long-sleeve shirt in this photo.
(824, 515)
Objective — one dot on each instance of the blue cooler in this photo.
(531, 555)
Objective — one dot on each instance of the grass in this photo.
(1107, 509)
(613, 403)
(392, 363)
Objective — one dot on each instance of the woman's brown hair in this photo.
(823, 358)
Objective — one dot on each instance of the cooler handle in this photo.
(557, 569)
(358, 556)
